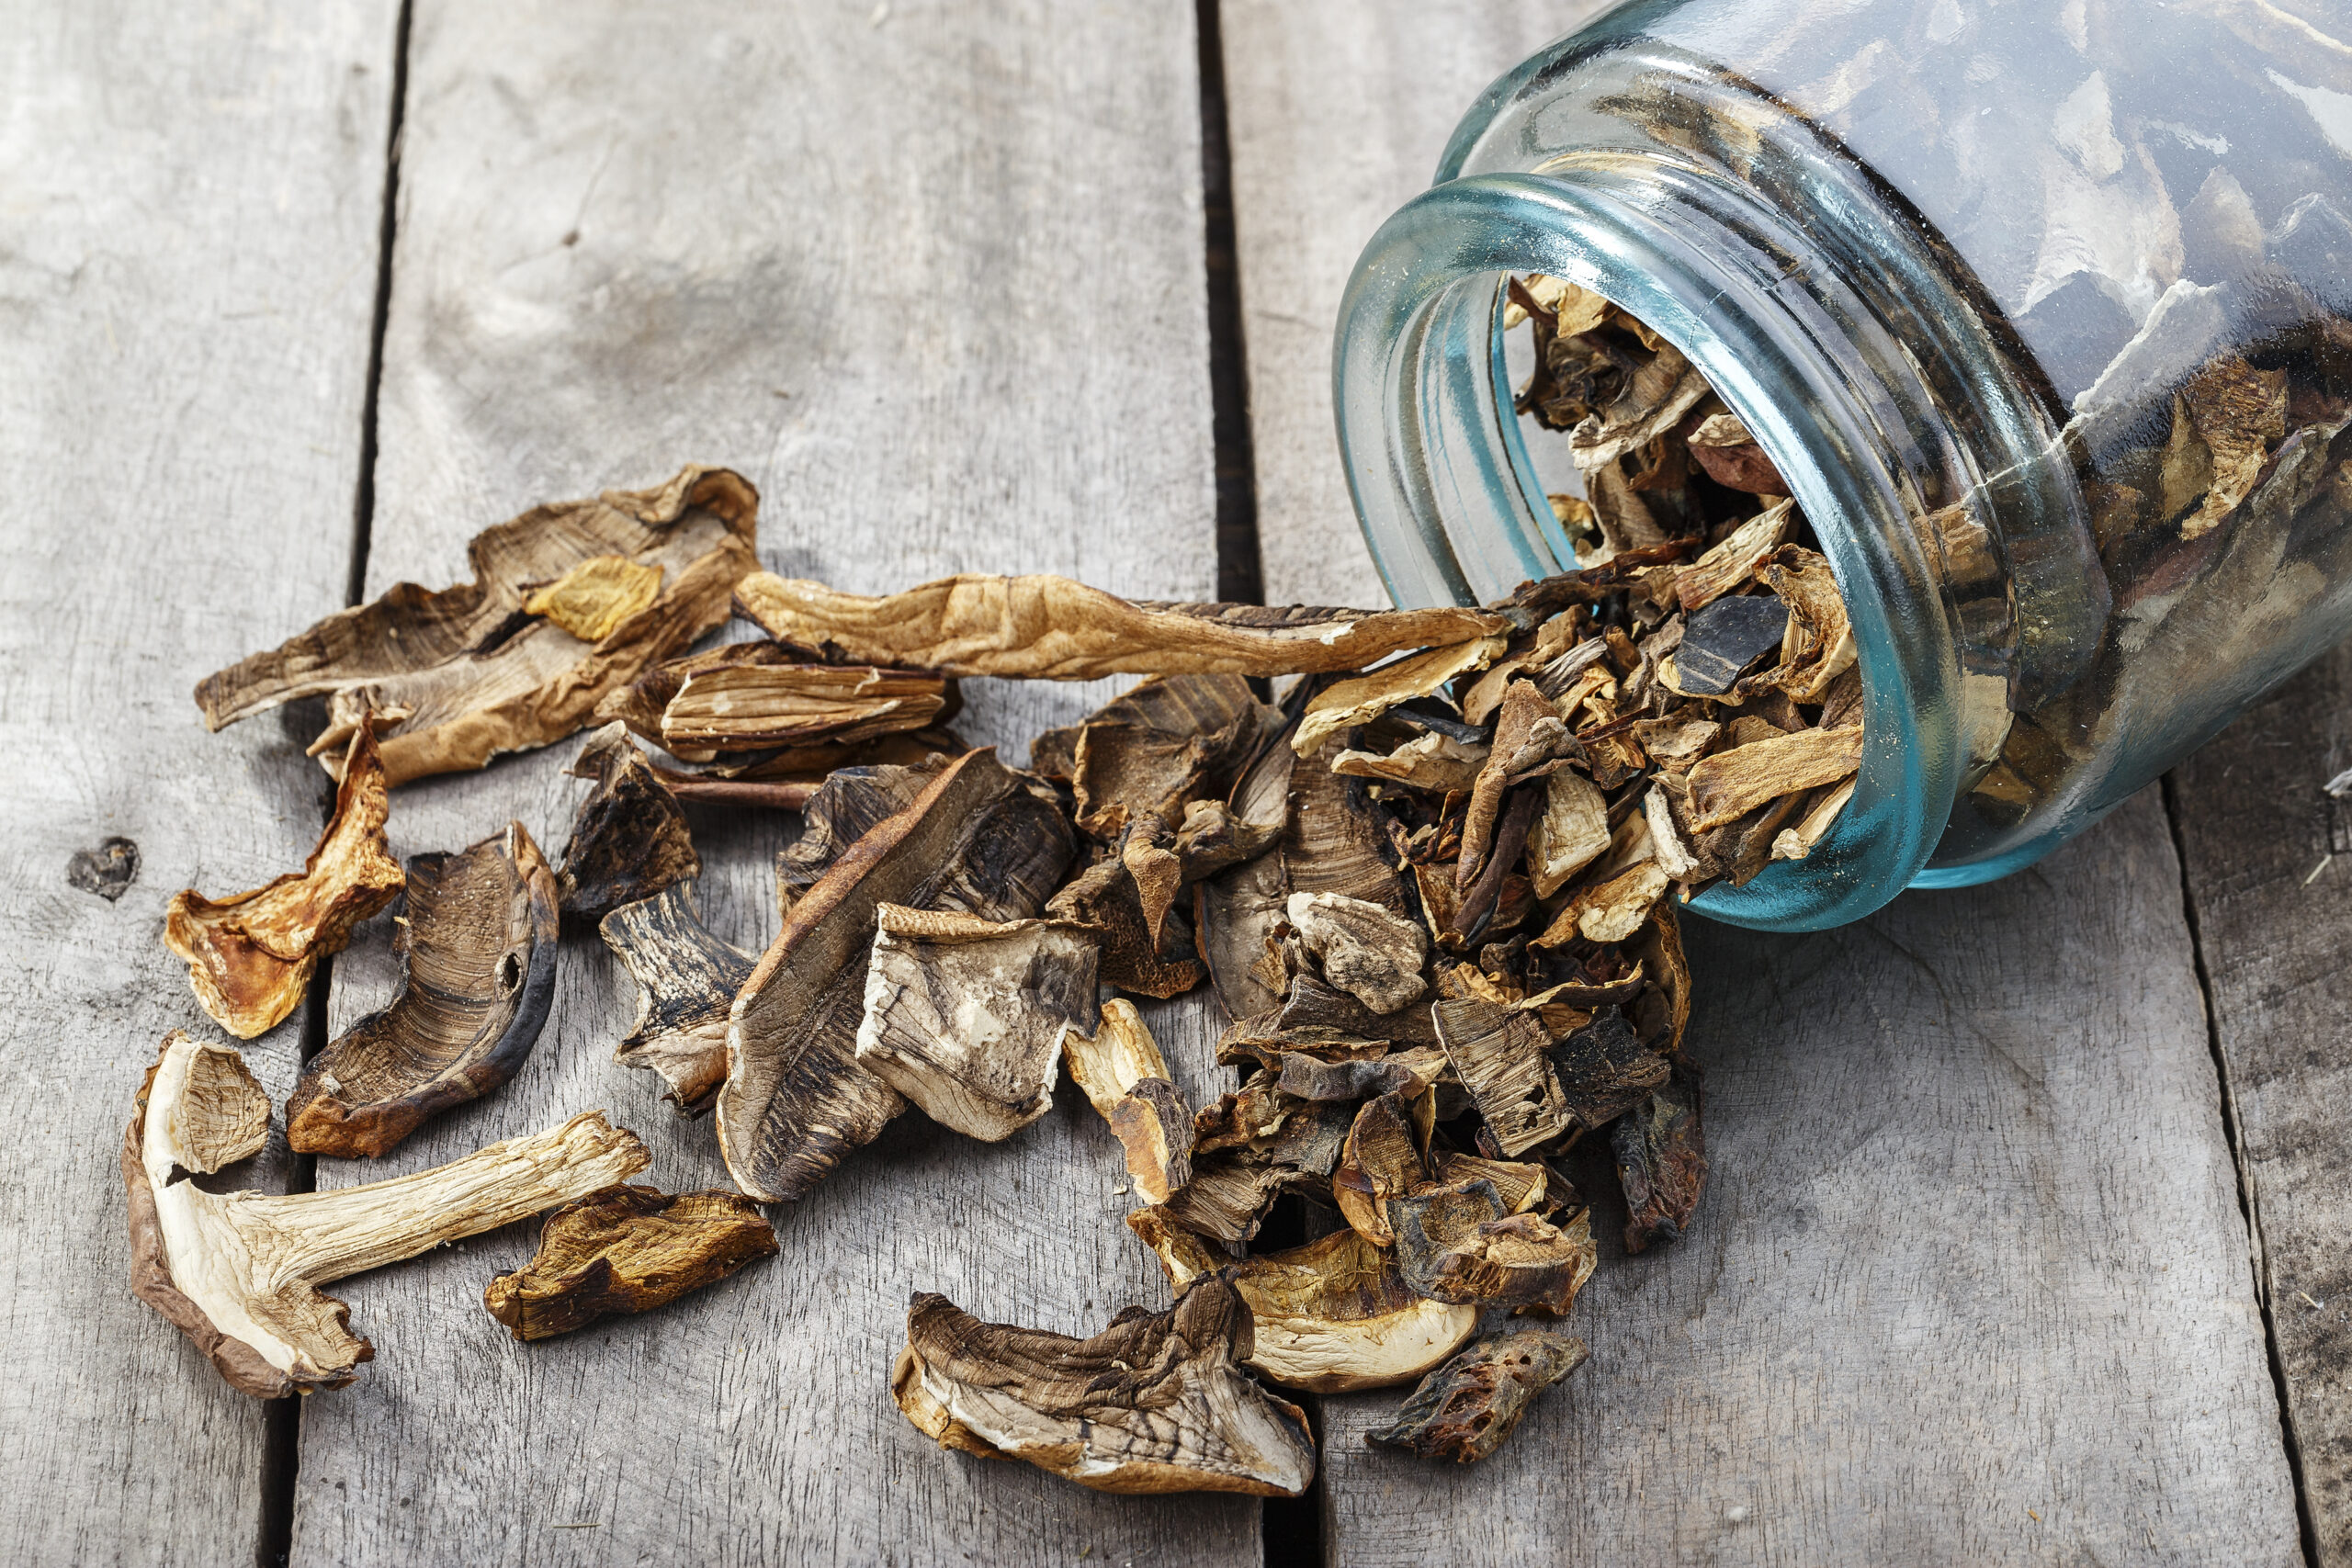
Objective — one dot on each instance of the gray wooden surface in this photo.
(187, 267)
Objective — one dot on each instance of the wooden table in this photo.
(2026, 1244)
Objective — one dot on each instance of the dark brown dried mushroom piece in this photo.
(471, 672)
(1604, 1070)
(1053, 628)
(627, 1249)
(1104, 902)
(1166, 743)
(1464, 1409)
(1500, 1055)
(1518, 1260)
(1155, 1402)
(629, 842)
(966, 1017)
(477, 953)
(1249, 1147)
(1661, 1152)
(238, 1272)
(687, 980)
(1240, 906)
(1528, 732)
(1372, 953)
(843, 809)
(1386, 1156)
(250, 955)
(1330, 1316)
(980, 840)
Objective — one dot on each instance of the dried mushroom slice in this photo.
(1330, 1317)
(1155, 1126)
(1528, 733)
(1729, 785)
(629, 842)
(966, 1017)
(1435, 763)
(1611, 911)
(978, 841)
(1120, 1054)
(250, 955)
(751, 708)
(1166, 743)
(640, 704)
(1516, 1261)
(627, 1249)
(1052, 628)
(1604, 1070)
(1521, 1186)
(471, 671)
(687, 980)
(1249, 1147)
(844, 808)
(1374, 954)
(1239, 909)
(2224, 423)
(1500, 1055)
(477, 954)
(1345, 704)
(238, 1272)
(1335, 842)
(1155, 1402)
(1104, 902)
(1819, 646)
(1571, 832)
(1467, 1408)
(1732, 458)
(1386, 1156)
(1661, 1152)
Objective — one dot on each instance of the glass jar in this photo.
(2038, 306)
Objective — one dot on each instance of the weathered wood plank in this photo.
(931, 275)
(1892, 1334)
(188, 270)
(2274, 912)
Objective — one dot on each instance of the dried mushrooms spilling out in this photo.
(477, 954)
(250, 956)
(631, 840)
(627, 1249)
(556, 617)
(1155, 1402)
(1466, 1408)
(240, 1273)
(687, 980)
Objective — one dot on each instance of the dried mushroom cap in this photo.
(627, 1249)
(463, 679)
(1464, 1409)
(1155, 1402)
(750, 707)
(966, 1017)
(250, 955)
(1052, 628)
(979, 840)
(846, 806)
(1372, 953)
(1345, 704)
(687, 980)
(630, 841)
(1120, 1054)
(1661, 1162)
(477, 954)
(1330, 1316)
(239, 1273)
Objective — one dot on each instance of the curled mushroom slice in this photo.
(629, 840)
(250, 955)
(1464, 1409)
(1330, 1316)
(1120, 1069)
(1346, 703)
(1052, 628)
(1248, 1148)
(844, 808)
(1238, 907)
(1386, 1156)
(1120, 1054)
(474, 671)
(239, 1273)
(477, 954)
(1104, 902)
(1163, 745)
(966, 1017)
(687, 980)
(627, 1249)
(980, 840)
(1155, 1402)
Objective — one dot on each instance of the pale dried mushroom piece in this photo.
(477, 954)
(1796, 844)
(1435, 763)
(1819, 644)
(1120, 1054)
(1154, 1125)
(250, 955)
(1528, 732)
(687, 980)
(1500, 1054)
(2224, 423)
(1155, 1402)
(1570, 834)
(1052, 628)
(1467, 1408)
(469, 673)
(240, 1273)
(627, 1249)
(752, 707)
(966, 1017)
(1331, 1317)
(640, 704)
(980, 840)
(629, 840)
(1372, 954)
(1346, 703)
(1729, 785)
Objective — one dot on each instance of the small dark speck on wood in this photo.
(104, 871)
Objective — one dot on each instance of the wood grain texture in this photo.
(931, 275)
(1972, 1253)
(188, 269)
(2269, 862)
(1338, 114)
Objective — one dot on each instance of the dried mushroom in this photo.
(980, 840)
(1124, 1076)
(250, 955)
(1467, 1408)
(1105, 903)
(842, 809)
(1249, 1147)
(751, 708)
(1386, 1156)
(240, 1273)
(1162, 745)
(687, 980)
(1120, 1054)
(966, 1017)
(1370, 953)
(1661, 1162)
(1352, 701)
(459, 676)
(1500, 1054)
(1155, 1402)
(629, 840)
(477, 954)
(1051, 628)
(627, 1249)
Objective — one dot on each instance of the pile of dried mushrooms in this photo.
(1432, 885)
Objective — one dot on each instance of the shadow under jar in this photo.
(2042, 309)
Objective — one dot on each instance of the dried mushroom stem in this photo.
(627, 1249)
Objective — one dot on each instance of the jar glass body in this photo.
(2040, 308)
